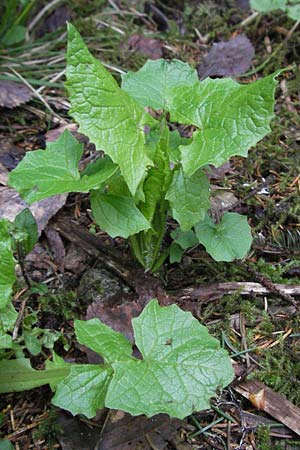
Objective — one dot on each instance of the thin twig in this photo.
(19, 320)
(35, 92)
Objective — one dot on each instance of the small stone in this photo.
(100, 286)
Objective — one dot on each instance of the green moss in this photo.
(62, 305)
(48, 429)
(281, 370)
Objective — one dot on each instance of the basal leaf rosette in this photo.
(181, 369)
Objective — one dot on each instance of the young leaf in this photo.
(267, 5)
(25, 222)
(18, 375)
(44, 173)
(8, 317)
(230, 118)
(228, 240)
(117, 215)
(106, 114)
(158, 177)
(84, 390)
(189, 198)
(185, 239)
(5, 341)
(7, 264)
(102, 339)
(152, 85)
(175, 253)
(181, 368)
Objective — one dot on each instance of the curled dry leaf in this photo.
(227, 59)
(13, 94)
(258, 399)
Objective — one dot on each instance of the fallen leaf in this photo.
(118, 317)
(150, 47)
(57, 19)
(53, 135)
(3, 175)
(13, 94)
(227, 59)
(124, 432)
(56, 246)
(12, 204)
(75, 434)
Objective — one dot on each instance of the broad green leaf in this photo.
(43, 173)
(117, 215)
(7, 264)
(14, 35)
(290, 7)
(6, 445)
(58, 363)
(228, 240)
(186, 239)
(189, 198)
(84, 390)
(18, 375)
(25, 222)
(5, 341)
(230, 118)
(182, 366)
(152, 85)
(97, 336)
(175, 141)
(175, 253)
(8, 317)
(293, 9)
(267, 5)
(111, 119)
(32, 343)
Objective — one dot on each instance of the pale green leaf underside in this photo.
(7, 264)
(290, 7)
(182, 367)
(117, 215)
(53, 171)
(230, 239)
(230, 119)
(84, 390)
(189, 198)
(105, 113)
(100, 338)
(152, 85)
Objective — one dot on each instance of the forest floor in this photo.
(251, 306)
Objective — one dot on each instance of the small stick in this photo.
(19, 320)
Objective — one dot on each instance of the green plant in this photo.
(18, 238)
(181, 369)
(148, 169)
(290, 7)
(13, 14)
